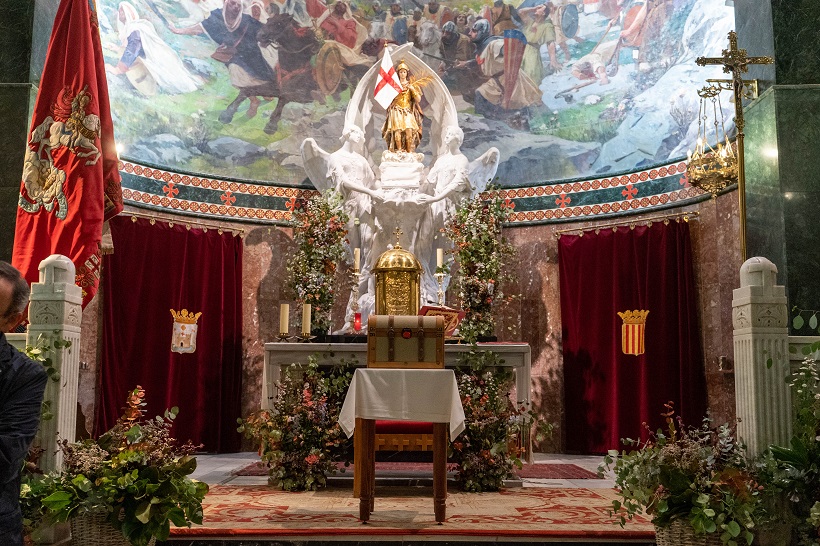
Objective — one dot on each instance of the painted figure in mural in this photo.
(339, 25)
(561, 39)
(539, 30)
(248, 68)
(150, 64)
(504, 17)
(402, 127)
(490, 63)
(432, 11)
(598, 63)
(454, 46)
(395, 24)
(462, 25)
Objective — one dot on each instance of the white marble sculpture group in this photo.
(406, 194)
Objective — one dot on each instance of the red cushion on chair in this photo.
(403, 427)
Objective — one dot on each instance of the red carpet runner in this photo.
(245, 511)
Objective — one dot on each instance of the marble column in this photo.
(25, 29)
(782, 135)
(55, 313)
(761, 343)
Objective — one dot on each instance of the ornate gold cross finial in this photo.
(398, 233)
(735, 61)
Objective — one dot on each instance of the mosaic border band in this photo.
(573, 201)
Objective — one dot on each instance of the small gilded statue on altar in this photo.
(402, 128)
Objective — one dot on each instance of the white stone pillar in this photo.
(761, 334)
(55, 313)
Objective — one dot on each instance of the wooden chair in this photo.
(408, 342)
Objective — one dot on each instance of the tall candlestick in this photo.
(357, 257)
(284, 312)
(306, 319)
(439, 257)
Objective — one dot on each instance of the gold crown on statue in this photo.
(634, 317)
(185, 317)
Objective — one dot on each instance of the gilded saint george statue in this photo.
(402, 128)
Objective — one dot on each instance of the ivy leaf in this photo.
(798, 322)
(813, 322)
(143, 512)
(733, 528)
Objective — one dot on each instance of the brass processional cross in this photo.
(736, 62)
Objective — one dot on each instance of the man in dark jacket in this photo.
(22, 382)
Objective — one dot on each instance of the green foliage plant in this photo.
(487, 452)
(43, 351)
(136, 472)
(799, 464)
(698, 475)
(319, 231)
(300, 437)
(481, 251)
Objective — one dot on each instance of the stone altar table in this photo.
(516, 356)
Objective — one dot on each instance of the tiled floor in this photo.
(217, 470)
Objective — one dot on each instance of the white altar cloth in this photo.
(403, 395)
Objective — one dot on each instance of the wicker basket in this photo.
(680, 533)
(93, 529)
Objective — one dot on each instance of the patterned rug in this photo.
(548, 471)
(245, 511)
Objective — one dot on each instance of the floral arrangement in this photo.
(486, 453)
(481, 251)
(696, 475)
(300, 437)
(797, 471)
(136, 472)
(319, 231)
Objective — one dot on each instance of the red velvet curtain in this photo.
(156, 268)
(609, 394)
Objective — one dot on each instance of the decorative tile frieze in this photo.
(566, 201)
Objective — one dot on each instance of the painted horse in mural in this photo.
(294, 73)
(309, 68)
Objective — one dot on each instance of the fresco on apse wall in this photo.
(230, 88)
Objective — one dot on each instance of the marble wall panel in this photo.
(765, 230)
(753, 24)
(15, 41)
(796, 41)
(14, 112)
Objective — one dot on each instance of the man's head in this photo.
(339, 9)
(377, 6)
(449, 32)
(480, 30)
(432, 5)
(14, 293)
(395, 9)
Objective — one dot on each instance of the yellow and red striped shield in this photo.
(633, 331)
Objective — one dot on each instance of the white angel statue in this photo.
(347, 171)
(452, 179)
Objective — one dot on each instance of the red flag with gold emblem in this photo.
(70, 182)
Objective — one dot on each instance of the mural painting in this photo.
(576, 88)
